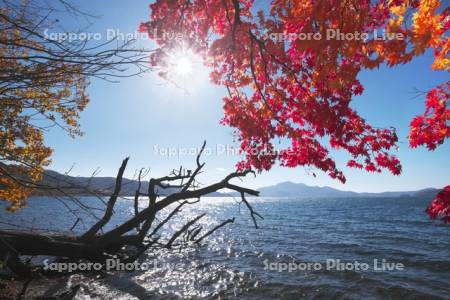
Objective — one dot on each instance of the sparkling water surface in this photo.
(239, 260)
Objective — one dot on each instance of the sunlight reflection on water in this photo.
(230, 262)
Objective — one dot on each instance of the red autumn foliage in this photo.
(285, 88)
(439, 208)
(433, 126)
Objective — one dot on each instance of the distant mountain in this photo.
(81, 185)
(291, 189)
(105, 185)
(301, 190)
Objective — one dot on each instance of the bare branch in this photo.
(112, 201)
(123, 241)
(250, 208)
(183, 229)
(214, 229)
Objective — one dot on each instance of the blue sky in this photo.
(142, 117)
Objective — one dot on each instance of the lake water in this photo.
(247, 263)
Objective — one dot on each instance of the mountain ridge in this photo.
(105, 185)
(292, 189)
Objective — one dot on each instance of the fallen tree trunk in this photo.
(131, 238)
(25, 243)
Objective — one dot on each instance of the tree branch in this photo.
(112, 201)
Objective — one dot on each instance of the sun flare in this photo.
(183, 67)
(181, 63)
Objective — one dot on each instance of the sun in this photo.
(181, 63)
(183, 66)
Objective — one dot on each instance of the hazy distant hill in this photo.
(102, 185)
(301, 190)
(105, 185)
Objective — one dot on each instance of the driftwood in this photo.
(139, 232)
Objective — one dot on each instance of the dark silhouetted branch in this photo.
(183, 229)
(214, 229)
(110, 207)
